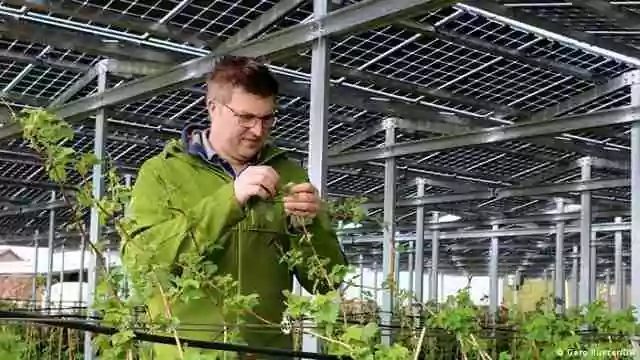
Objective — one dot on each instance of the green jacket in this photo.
(175, 186)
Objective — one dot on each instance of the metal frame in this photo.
(419, 106)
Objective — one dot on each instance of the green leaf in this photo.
(85, 164)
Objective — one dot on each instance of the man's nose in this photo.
(257, 128)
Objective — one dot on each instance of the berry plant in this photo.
(452, 329)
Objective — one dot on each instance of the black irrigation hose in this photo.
(243, 349)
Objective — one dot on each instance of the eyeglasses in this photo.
(250, 120)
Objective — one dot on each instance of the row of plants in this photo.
(453, 329)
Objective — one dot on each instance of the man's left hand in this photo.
(302, 200)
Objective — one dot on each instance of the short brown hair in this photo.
(241, 72)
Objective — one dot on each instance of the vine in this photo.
(122, 294)
(198, 278)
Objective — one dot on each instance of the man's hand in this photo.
(302, 200)
(259, 181)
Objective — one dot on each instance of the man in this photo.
(224, 179)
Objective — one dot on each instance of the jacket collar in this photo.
(194, 141)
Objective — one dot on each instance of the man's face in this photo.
(242, 125)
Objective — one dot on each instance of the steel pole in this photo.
(419, 266)
(493, 278)
(559, 268)
(435, 259)
(95, 227)
(585, 236)
(34, 285)
(635, 201)
(52, 231)
(388, 246)
(618, 274)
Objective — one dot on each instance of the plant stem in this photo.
(482, 353)
(307, 235)
(337, 342)
(419, 347)
(169, 314)
(251, 312)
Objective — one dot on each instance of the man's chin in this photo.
(249, 153)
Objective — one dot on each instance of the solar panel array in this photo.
(463, 62)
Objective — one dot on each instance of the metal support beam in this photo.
(593, 260)
(535, 218)
(493, 278)
(412, 119)
(585, 236)
(396, 270)
(618, 274)
(130, 67)
(34, 284)
(121, 20)
(262, 22)
(626, 292)
(479, 234)
(319, 107)
(42, 62)
(559, 263)
(95, 228)
(490, 136)
(389, 231)
(61, 281)
(15, 210)
(318, 125)
(342, 71)
(517, 245)
(607, 281)
(77, 86)
(435, 260)
(81, 279)
(345, 96)
(497, 50)
(28, 31)
(114, 66)
(574, 285)
(635, 202)
(547, 28)
(509, 192)
(355, 139)
(357, 17)
(51, 235)
(410, 269)
(416, 117)
(376, 286)
(419, 266)
(597, 92)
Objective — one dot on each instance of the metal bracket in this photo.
(103, 65)
(632, 77)
(131, 68)
(560, 203)
(318, 29)
(584, 161)
(389, 123)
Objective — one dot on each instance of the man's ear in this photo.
(211, 105)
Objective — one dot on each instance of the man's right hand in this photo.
(259, 181)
